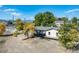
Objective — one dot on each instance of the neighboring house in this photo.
(4, 21)
(59, 22)
(78, 22)
(49, 32)
(9, 30)
(9, 27)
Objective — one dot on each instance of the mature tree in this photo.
(29, 29)
(65, 19)
(38, 19)
(48, 19)
(74, 20)
(19, 24)
(2, 28)
(44, 19)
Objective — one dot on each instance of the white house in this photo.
(52, 33)
(48, 32)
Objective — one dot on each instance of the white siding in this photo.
(58, 23)
(52, 34)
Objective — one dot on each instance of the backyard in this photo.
(32, 45)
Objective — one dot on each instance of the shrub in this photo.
(19, 24)
(28, 29)
(15, 34)
(2, 28)
(68, 37)
(70, 45)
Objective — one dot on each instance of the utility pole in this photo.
(13, 18)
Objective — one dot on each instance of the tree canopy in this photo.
(74, 20)
(19, 24)
(68, 35)
(28, 29)
(65, 19)
(44, 19)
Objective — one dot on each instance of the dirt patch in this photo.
(3, 40)
(32, 45)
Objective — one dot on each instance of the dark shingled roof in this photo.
(45, 28)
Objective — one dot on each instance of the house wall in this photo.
(10, 30)
(58, 23)
(52, 34)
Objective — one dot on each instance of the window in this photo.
(48, 33)
(56, 34)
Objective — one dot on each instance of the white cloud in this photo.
(9, 10)
(16, 14)
(71, 11)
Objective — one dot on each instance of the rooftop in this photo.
(45, 28)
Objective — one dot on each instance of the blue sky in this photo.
(29, 11)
